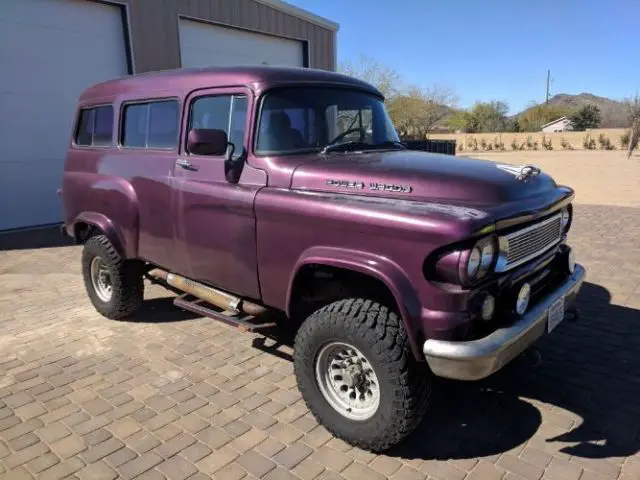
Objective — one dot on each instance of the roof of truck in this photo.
(258, 78)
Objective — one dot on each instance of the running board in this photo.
(231, 318)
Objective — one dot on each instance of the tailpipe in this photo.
(216, 297)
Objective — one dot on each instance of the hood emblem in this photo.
(523, 173)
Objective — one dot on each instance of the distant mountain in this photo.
(613, 112)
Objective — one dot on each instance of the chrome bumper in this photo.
(480, 358)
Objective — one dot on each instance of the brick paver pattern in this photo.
(175, 396)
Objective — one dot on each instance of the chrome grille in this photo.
(523, 245)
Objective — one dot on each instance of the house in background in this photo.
(52, 50)
(562, 124)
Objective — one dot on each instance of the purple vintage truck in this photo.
(250, 190)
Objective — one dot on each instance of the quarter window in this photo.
(95, 127)
(152, 125)
(222, 112)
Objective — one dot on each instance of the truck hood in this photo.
(420, 176)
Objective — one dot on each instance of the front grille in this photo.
(523, 245)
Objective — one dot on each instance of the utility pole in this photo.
(548, 80)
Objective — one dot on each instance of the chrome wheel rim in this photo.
(101, 279)
(347, 381)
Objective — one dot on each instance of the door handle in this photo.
(183, 163)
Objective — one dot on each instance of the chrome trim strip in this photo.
(480, 358)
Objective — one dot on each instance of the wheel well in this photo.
(82, 231)
(317, 285)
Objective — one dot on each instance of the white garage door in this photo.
(50, 50)
(206, 45)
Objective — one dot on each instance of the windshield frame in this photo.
(302, 151)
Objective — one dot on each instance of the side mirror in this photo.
(207, 141)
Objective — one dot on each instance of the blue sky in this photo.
(496, 49)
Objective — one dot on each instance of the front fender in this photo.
(375, 266)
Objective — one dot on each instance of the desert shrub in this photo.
(565, 145)
(547, 144)
(498, 144)
(530, 142)
(624, 140)
(522, 146)
(589, 143)
(605, 143)
(535, 145)
(514, 145)
(473, 144)
(483, 143)
(459, 146)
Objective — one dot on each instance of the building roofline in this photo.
(301, 13)
(555, 121)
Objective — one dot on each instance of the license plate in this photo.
(556, 314)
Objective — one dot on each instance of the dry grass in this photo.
(602, 178)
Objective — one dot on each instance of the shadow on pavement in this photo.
(590, 370)
(46, 237)
(161, 310)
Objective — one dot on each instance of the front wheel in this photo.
(114, 285)
(357, 375)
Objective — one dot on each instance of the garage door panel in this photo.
(28, 191)
(203, 44)
(56, 49)
(55, 14)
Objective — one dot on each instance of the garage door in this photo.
(205, 45)
(50, 51)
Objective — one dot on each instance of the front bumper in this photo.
(477, 359)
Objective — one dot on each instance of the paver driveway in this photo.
(182, 397)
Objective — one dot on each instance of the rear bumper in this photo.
(480, 358)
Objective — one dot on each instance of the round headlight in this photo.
(488, 307)
(565, 217)
(473, 264)
(523, 299)
(487, 255)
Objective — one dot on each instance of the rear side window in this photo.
(95, 127)
(152, 125)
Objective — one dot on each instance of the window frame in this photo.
(232, 93)
(149, 101)
(74, 140)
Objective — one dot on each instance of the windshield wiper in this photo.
(363, 145)
(390, 143)
(344, 146)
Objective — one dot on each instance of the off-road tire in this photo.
(405, 384)
(126, 279)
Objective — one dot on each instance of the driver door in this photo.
(216, 232)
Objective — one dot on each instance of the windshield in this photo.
(296, 120)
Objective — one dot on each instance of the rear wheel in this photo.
(114, 285)
(357, 375)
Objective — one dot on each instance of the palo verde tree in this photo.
(633, 111)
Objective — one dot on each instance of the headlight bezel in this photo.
(566, 224)
(488, 250)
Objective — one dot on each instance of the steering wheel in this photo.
(362, 132)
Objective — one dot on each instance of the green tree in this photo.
(587, 117)
(483, 117)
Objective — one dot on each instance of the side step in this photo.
(231, 318)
